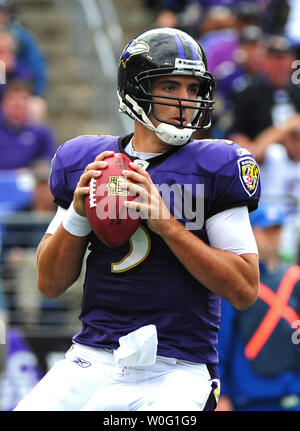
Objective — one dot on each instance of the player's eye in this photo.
(169, 88)
(193, 90)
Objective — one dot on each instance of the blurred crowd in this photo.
(27, 142)
(253, 50)
(27, 145)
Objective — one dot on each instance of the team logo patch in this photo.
(249, 174)
(114, 186)
(81, 362)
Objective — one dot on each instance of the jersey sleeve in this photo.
(58, 183)
(70, 161)
(236, 183)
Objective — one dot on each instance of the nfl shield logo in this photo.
(114, 186)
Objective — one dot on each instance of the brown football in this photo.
(112, 222)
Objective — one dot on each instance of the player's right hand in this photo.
(92, 170)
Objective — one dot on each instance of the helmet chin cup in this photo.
(172, 135)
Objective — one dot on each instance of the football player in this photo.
(151, 307)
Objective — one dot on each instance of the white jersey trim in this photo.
(56, 221)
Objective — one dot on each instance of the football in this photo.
(112, 222)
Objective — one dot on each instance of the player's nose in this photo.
(183, 92)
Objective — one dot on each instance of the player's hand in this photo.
(92, 170)
(291, 124)
(224, 404)
(148, 201)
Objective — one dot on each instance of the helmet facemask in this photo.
(180, 131)
(202, 105)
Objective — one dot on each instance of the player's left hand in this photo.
(148, 202)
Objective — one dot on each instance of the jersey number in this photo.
(140, 244)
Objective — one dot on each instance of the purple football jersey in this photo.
(142, 282)
(21, 147)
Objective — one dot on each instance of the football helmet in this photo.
(165, 52)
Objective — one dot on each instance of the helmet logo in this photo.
(133, 48)
(182, 63)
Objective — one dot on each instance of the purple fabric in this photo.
(219, 47)
(185, 313)
(21, 147)
(22, 371)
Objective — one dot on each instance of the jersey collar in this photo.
(154, 161)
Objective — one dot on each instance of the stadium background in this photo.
(81, 41)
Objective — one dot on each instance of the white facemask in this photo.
(165, 132)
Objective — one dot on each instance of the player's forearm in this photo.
(262, 142)
(59, 261)
(274, 134)
(233, 277)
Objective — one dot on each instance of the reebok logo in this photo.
(81, 362)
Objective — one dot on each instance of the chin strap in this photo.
(166, 132)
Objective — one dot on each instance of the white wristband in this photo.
(76, 224)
